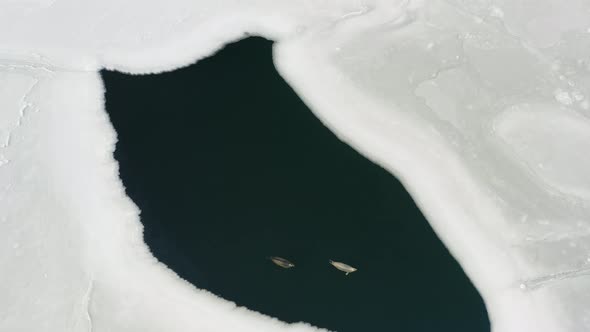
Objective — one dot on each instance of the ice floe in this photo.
(479, 107)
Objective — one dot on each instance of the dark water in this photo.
(229, 166)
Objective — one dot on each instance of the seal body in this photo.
(281, 262)
(343, 267)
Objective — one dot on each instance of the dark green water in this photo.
(229, 166)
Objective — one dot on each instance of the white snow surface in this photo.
(480, 107)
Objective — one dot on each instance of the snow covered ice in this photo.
(480, 108)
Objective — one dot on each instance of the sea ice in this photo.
(480, 107)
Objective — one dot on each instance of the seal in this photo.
(281, 262)
(343, 267)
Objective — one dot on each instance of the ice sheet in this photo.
(481, 108)
(72, 257)
(481, 126)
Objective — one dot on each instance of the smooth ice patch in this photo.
(553, 142)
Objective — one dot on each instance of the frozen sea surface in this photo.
(480, 108)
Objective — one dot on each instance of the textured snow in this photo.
(481, 108)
